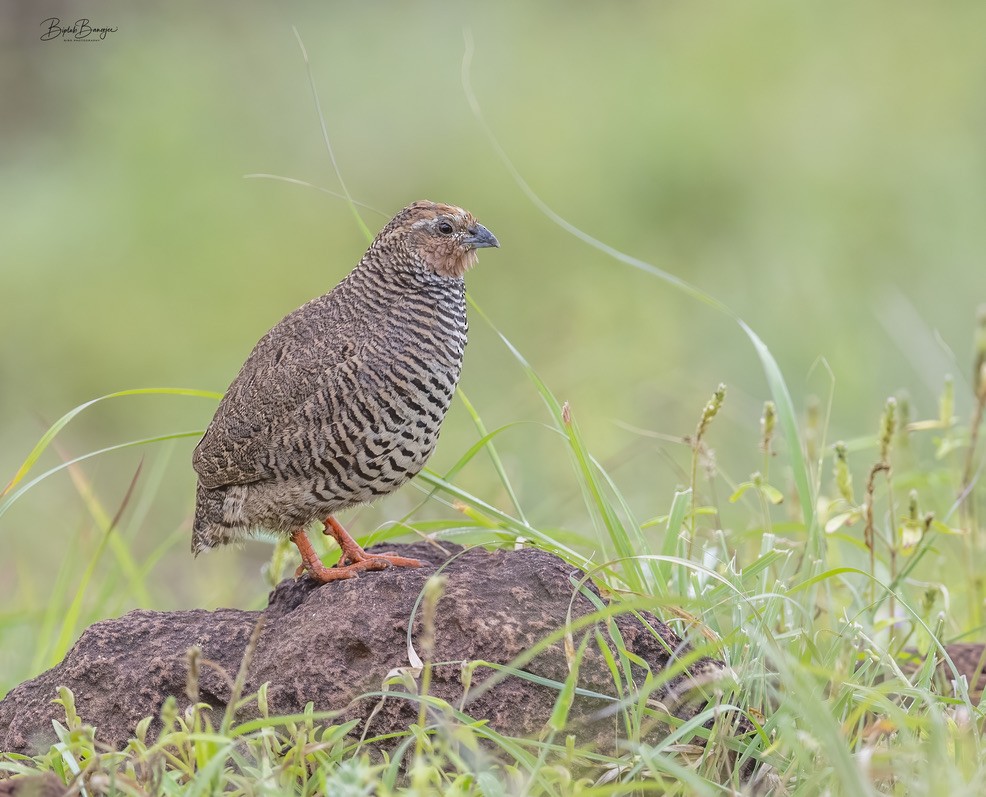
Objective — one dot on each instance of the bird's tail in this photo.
(201, 534)
(208, 528)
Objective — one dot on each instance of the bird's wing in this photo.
(290, 364)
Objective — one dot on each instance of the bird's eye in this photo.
(445, 228)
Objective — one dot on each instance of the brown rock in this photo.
(968, 658)
(331, 643)
(46, 785)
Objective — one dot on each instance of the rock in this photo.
(331, 643)
(46, 785)
(968, 659)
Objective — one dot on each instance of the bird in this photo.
(342, 401)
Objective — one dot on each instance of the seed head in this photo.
(903, 419)
(843, 476)
(888, 425)
(192, 657)
(813, 426)
(767, 422)
(946, 404)
(711, 410)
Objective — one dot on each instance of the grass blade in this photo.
(62, 422)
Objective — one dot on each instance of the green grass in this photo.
(813, 639)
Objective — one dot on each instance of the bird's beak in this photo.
(480, 237)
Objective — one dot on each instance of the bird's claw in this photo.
(369, 561)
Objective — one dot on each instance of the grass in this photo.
(810, 574)
(814, 641)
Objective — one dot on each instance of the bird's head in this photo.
(441, 238)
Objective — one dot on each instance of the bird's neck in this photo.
(398, 282)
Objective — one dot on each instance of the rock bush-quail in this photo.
(342, 401)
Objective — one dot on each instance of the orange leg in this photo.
(311, 562)
(353, 560)
(356, 556)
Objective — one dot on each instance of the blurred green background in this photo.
(821, 168)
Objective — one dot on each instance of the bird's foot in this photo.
(325, 574)
(342, 569)
(376, 561)
(314, 566)
(354, 559)
(354, 556)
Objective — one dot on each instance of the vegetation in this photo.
(812, 603)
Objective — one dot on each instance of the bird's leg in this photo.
(357, 558)
(311, 562)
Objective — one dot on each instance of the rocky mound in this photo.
(330, 644)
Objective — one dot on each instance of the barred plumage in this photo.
(343, 400)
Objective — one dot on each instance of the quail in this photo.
(342, 401)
